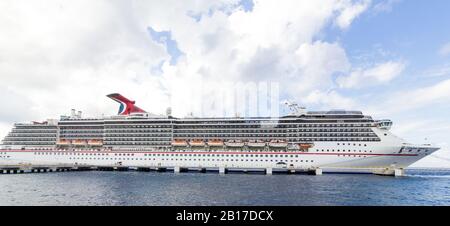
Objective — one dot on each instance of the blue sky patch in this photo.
(165, 38)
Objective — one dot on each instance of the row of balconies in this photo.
(136, 143)
(141, 135)
(228, 136)
(31, 135)
(138, 131)
(83, 134)
(281, 125)
(259, 136)
(30, 139)
(276, 134)
(81, 131)
(28, 143)
(138, 126)
(33, 131)
(266, 131)
(137, 139)
(35, 127)
(336, 139)
(81, 137)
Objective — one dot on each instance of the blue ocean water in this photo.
(420, 187)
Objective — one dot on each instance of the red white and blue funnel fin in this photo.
(126, 106)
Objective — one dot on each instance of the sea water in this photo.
(419, 187)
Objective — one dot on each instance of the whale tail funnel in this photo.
(126, 106)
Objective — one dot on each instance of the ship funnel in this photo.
(72, 113)
(126, 106)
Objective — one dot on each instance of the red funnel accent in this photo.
(126, 106)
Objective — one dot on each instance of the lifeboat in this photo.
(95, 142)
(234, 143)
(215, 143)
(294, 147)
(197, 143)
(256, 143)
(63, 142)
(278, 144)
(39, 123)
(179, 143)
(79, 142)
(305, 145)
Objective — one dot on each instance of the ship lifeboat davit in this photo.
(215, 143)
(197, 143)
(179, 143)
(234, 143)
(278, 144)
(256, 143)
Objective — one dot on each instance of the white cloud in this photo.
(331, 99)
(378, 74)
(350, 12)
(421, 97)
(316, 63)
(436, 71)
(57, 55)
(445, 50)
(385, 5)
(57, 59)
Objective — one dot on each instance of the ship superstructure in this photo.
(328, 140)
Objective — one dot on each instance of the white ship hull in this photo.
(371, 157)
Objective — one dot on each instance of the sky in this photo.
(387, 58)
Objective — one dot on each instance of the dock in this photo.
(19, 169)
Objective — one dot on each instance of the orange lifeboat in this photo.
(179, 143)
(305, 145)
(278, 144)
(197, 143)
(95, 142)
(79, 142)
(215, 143)
(234, 143)
(256, 143)
(63, 142)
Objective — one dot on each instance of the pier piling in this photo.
(222, 170)
(399, 172)
(318, 171)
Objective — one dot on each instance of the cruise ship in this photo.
(312, 141)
